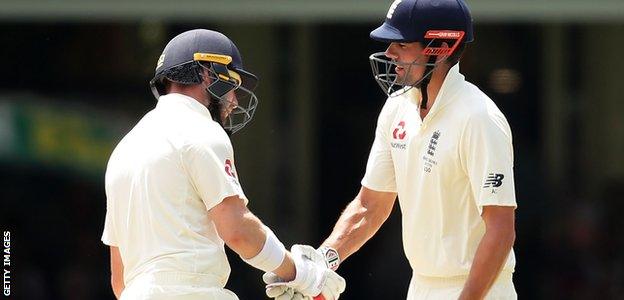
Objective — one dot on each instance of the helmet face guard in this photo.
(384, 72)
(232, 99)
(384, 68)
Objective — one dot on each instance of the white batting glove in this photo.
(280, 292)
(334, 283)
(330, 255)
(313, 278)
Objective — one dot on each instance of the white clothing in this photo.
(444, 168)
(161, 180)
(176, 286)
(446, 288)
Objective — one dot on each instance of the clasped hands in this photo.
(314, 279)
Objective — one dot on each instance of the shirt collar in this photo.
(176, 99)
(451, 83)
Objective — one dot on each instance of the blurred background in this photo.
(74, 81)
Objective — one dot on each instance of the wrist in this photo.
(287, 270)
(304, 279)
(272, 254)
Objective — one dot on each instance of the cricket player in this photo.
(173, 193)
(445, 149)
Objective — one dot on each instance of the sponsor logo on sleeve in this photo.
(229, 170)
(493, 180)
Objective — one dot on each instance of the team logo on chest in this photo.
(398, 135)
(433, 142)
(428, 159)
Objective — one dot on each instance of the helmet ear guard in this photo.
(224, 79)
(435, 50)
(438, 36)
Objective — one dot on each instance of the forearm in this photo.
(489, 260)
(357, 224)
(246, 237)
(251, 236)
(118, 289)
(117, 272)
(245, 234)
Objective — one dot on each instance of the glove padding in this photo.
(280, 292)
(313, 277)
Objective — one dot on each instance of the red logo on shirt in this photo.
(228, 168)
(399, 131)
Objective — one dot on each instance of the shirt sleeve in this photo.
(210, 166)
(108, 236)
(379, 174)
(487, 156)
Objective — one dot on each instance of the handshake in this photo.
(315, 278)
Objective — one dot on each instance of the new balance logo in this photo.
(494, 180)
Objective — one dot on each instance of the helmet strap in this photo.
(425, 81)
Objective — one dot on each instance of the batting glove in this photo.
(313, 276)
(280, 292)
(330, 255)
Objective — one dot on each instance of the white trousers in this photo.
(176, 286)
(449, 288)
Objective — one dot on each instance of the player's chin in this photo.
(402, 79)
(400, 71)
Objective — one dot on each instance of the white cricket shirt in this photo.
(444, 168)
(161, 180)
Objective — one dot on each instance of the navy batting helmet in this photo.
(429, 22)
(410, 20)
(185, 60)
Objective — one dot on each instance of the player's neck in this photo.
(432, 93)
(196, 92)
(431, 98)
(433, 88)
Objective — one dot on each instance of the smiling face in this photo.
(410, 62)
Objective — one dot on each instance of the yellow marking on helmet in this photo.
(235, 76)
(218, 58)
